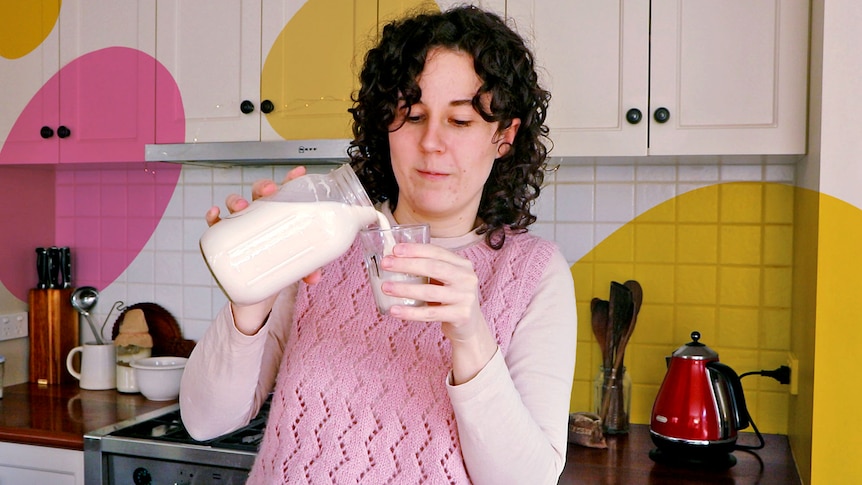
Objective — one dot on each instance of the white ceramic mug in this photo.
(98, 366)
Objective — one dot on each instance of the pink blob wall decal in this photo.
(106, 212)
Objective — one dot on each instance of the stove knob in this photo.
(141, 476)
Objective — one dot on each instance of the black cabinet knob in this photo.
(661, 115)
(634, 116)
(46, 132)
(266, 106)
(63, 132)
(246, 106)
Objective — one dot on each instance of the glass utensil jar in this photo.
(281, 238)
(612, 397)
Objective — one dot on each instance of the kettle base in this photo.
(715, 460)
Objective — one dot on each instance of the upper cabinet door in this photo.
(313, 52)
(30, 110)
(213, 53)
(107, 80)
(593, 55)
(688, 77)
(731, 75)
(85, 92)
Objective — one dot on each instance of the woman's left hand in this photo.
(453, 299)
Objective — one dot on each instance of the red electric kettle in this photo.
(699, 409)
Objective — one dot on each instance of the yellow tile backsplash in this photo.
(715, 259)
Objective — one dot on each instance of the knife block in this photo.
(53, 334)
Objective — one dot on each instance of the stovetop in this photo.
(156, 448)
(169, 428)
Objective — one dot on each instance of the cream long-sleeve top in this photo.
(229, 375)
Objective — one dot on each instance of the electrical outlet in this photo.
(13, 325)
(793, 363)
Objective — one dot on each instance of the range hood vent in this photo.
(286, 152)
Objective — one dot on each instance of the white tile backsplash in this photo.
(580, 205)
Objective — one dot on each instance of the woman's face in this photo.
(443, 151)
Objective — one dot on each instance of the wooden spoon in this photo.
(637, 300)
(599, 313)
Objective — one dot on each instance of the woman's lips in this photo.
(432, 175)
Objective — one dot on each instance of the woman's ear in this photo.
(507, 137)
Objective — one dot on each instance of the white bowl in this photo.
(158, 378)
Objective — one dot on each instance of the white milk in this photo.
(384, 301)
(256, 252)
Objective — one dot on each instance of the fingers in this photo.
(212, 215)
(314, 278)
(294, 173)
(260, 188)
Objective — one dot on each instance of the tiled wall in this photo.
(584, 203)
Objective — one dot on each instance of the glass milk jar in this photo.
(279, 239)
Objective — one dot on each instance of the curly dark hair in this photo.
(506, 68)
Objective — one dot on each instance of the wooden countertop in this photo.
(59, 415)
(626, 461)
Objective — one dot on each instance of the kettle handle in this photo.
(735, 385)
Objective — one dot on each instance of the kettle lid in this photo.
(695, 350)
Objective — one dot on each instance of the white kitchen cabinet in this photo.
(313, 52)
(731, 76)
(262, 70)
(79, 114)
(213, 53)
(39, 464)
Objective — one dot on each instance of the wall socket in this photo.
(793, 363)
(13, 325)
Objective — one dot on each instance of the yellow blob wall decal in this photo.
(24, 25)
(312, 68)
(717, 260)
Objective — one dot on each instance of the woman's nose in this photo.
(431, 140)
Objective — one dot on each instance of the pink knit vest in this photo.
(361, 398)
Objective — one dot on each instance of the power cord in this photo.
(782, 375)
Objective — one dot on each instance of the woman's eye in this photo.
(461, 122)
(414, 118)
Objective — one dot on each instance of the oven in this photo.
(155, 448)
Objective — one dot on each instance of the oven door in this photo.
(111, 458)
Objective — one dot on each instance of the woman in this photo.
(475, 386)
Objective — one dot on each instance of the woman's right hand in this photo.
(250, 318)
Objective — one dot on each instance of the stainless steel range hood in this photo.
(285, 152)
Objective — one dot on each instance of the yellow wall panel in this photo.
(655, 243)
(778, 204)
(739, 328)
(740, 244)
(698, 243)
(739, 286)
(778, 245)
(741, 202)
(696, 284)
(699, 205)
(775, 328)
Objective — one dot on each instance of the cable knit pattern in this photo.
(361, 398)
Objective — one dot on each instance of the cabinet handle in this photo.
(266, 106)
(46, 132)
(246, 106)
(63, 132)
(661, 115)
(634, 116)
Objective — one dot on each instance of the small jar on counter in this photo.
(125, 373)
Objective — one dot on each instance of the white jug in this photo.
(98, 366)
